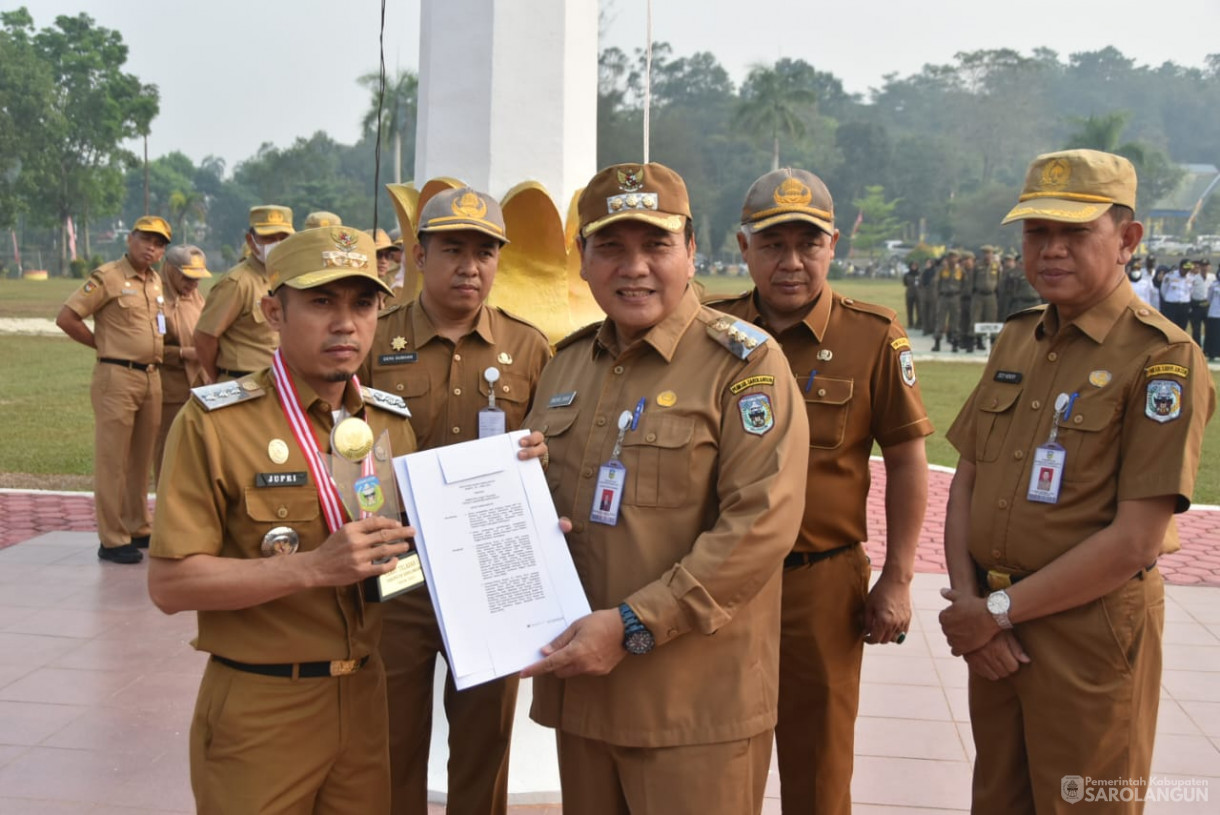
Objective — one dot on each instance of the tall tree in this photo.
(396, 111)
(876, 219)
(774, 105)
(26, 91)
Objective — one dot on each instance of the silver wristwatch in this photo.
(998, 603)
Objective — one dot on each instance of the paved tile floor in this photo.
(97, 686)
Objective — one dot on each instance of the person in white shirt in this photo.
(1175, 294)
(1211, 333)
(1198, 300)
(1145, 288)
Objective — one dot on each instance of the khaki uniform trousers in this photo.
(126, 418)
(480, 718)
(983, 309)
(278, 746)
(948, 312)
(727, 778)
(820, 653)
(1086, 705)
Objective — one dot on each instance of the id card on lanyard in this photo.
(1046, 474)
(491, 418)
(608, 494)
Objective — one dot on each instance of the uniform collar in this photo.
(663, 337)
(1098, 320)
(129, 270)
(424, 331)
(815, 320)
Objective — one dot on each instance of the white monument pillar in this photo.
(508, 93)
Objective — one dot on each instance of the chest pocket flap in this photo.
(996, 404)
(827, 404)
(282, 505)
(509, 387)
(656, 456)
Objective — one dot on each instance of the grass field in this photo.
(46, 435)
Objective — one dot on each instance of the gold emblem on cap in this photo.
(274, 216)
(277, 451)
(470, 205)
(825, 355)
(1056, 173)
(1099, 379)
(398, 343)
(343, 238)
(630, 179)
(667, 398)
(352, 438)
(791, 192)
(505, 358)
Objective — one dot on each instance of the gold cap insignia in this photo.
(791, 192)
(1056, 174)
(274, 216)
(470, 205)
(631, 179)
(343, 238)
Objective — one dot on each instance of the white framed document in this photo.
(498, 569)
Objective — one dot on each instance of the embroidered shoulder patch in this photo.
(900, 343)
(1164, 400)
(1166, 370)
(756, 415)
(749, 382)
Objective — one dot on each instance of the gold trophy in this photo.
(364, 476)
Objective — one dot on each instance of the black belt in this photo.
(304, 670)
(124, 363)
(795, 559)
(995, 580)
(234, 374)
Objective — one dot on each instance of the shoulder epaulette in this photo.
(1159, 322)
(1038, 309)
(578, 334)
(716, 300)
(517, 319)
(223, 394)
(739, 337)
(887, 314)
(390, 309)
(385, 401)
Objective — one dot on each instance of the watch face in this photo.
(998, 602)
(639, 642)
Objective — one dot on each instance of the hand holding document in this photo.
(498, 568)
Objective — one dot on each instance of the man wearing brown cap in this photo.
(387, 269)
(451, 356)
(291, 710)
(320, 218)
(854, 363)
(125, 299)
(1077, 446)
(183, 268)
(948, 283)
(233, 337)
(677, 448)
(985, 283)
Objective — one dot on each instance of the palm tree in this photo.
(772, 104)
(397, 110)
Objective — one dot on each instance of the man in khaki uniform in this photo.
(948, 287)
(965, 331)
(233, 338)
(1077, 447)
(677, 448)
(181, 272)
(434, 352)
(984, 307)
(291, 712)
(387, 267)
(855, 365)
(124, 298)
(1016, 293)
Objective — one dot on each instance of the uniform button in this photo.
(1003, 504)
(587, 472)
(995, 402)
(578, 526)
(457, 391)
(995, 553)
(504, 388)
(821, 391)
(456, 430)
(1036, 405)
(1077, 418)
(398, 386)
(1142, 312)
(848, 300)
(457, 357)
(601, 421)
(1052, 356)
(1018, 454)
(618, 369)
(282, 512)
(651, 437)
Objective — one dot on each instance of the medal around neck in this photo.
(352, 438)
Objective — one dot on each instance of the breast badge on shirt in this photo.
(1164, 401)
(756, 415)
(89, 286)
(1099, 379)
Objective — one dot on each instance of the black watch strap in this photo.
(637, 639)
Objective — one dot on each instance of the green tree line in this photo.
(937, 155)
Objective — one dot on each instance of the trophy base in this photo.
(407, 575)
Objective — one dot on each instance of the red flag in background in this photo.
(859, 220)
(71, 238)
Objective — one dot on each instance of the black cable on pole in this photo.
(380, 109)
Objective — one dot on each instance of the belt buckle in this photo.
(343, 667)
(998, 580)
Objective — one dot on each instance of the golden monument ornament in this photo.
(352, 438)
(277, 451)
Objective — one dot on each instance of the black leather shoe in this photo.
(139, 541)
(125, 554)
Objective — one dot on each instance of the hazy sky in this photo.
(236, 73)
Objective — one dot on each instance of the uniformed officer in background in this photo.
(984, 307)
(910, 284)
(232, 337)
(1175, 293)
(1017, 292)
(948, 285)
(1079, 443)
(677, 443)
(184, 266)
(446, 353)
(856, 368)
(321, 218)
(125, 299)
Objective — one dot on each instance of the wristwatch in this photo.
(998, 603)
(637, 639)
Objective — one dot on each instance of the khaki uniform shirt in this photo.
(1134, 432)
(443, 383)
(178, 375)
(214, 477)
(234, 316)
(865, 392)
(709, 510)
(124, 304)
(987, 278)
